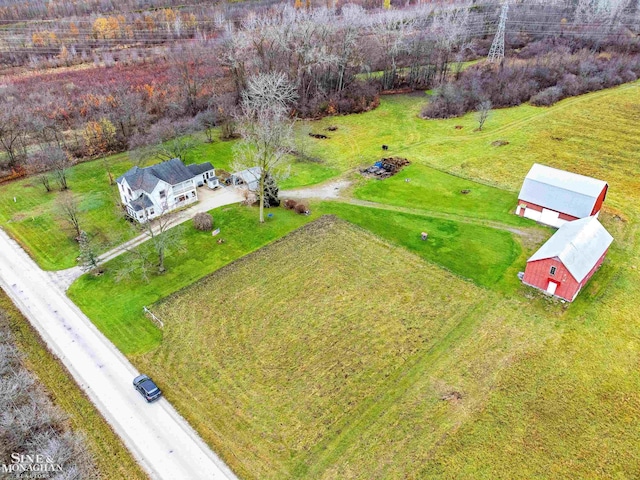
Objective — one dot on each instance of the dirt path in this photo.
(158, 437)
(328, 191)
(335, 191)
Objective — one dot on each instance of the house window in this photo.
(151, 211)
(163, 194)
(129, 190)
(552, 271)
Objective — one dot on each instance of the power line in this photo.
(496, 53)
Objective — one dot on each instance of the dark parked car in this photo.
(147, 388)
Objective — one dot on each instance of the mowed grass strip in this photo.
(115, 307)
(274, 353)
(112, 459)
(420, 187)
(481, 254)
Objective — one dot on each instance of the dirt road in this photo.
(159, 438)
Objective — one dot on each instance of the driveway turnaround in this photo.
(158, 437)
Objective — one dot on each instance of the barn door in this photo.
(549, 217)
(551, 288)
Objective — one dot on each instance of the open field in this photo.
(283, 357)
(548, 390)
(594, 134)
(111, 457)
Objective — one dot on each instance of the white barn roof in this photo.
(561, 191)
(578, 245)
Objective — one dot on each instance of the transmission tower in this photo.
(496, 52)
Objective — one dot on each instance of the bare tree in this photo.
(88, 253)
(191, 68)
(58, 160)
(226, 112)
(162, 237)
(482, 112)
(267, 131)
(12, 135)
(175, 148)
(206, 120)
(30, 422)
(45, 179)
(67, 209)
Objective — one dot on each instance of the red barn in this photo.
(554, 197)
(565, 263)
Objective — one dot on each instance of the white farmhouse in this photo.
(151, 191)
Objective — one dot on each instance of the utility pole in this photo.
(496, 52)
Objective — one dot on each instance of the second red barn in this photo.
(564, 264)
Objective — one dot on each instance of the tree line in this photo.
(338, 59)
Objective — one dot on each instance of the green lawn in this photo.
(296, 172)
(282, 359)
(475, 252)
(33, 221)
(116, 307)
(433, 190)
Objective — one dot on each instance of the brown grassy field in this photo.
(289, 358)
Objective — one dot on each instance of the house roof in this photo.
(200, 168)
(172, 172)
(561, 191)
(578, 245)
(141, 203)
(140, 179)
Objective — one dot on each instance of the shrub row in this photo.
(542, 80)
(300, 208)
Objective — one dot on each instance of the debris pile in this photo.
(451, 396)
(385, 168)
(223, 176)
